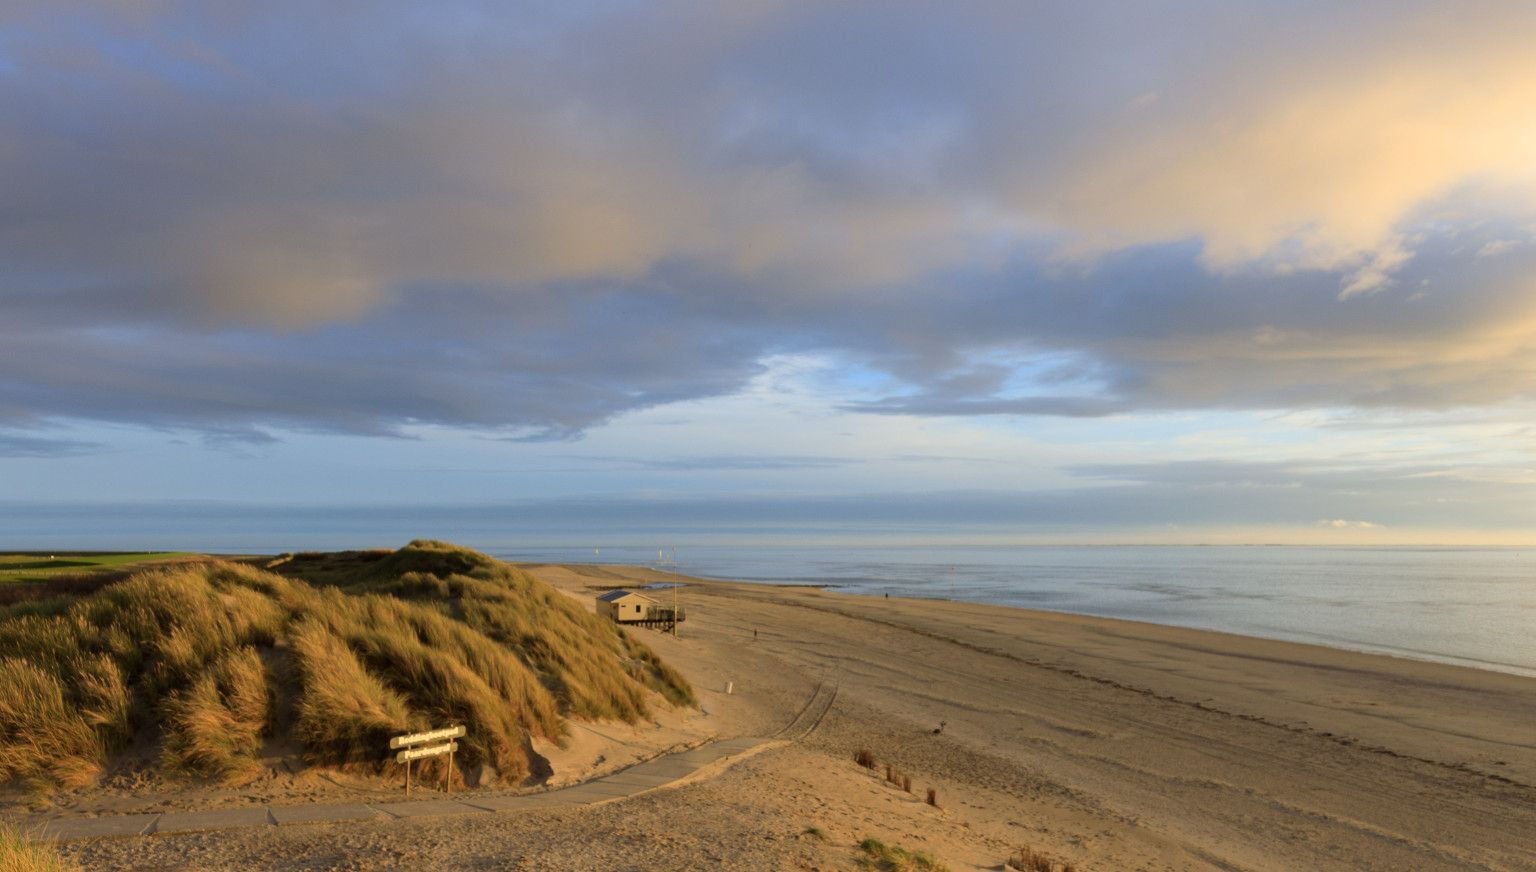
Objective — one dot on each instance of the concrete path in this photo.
(636, 779)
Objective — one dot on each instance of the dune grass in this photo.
(213, 727)
(515, 609)
(344, 709)
(430, 635)
(1027, 859)
(21, 854)
(894, 858)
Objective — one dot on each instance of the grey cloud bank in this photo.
(21, 445)
(243, 220)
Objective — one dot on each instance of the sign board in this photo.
(429, 751)
(429, 736)
(410, 753)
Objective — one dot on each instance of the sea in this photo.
(1468, 606)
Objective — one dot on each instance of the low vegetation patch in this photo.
(430, 635)
(1027, 859)
(894, 858)
(21, 854)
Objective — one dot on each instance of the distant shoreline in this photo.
(1365, 649)
(1382, 648)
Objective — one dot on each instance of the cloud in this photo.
(456, 360)
(1497, 247)
(361, 219)
(1341, 524)
(1321, 167)
(729, 463)
(1149, 329)
(20, 445)
(931, 404)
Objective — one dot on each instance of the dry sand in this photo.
(1112, 744)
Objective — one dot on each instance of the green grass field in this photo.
(42, 565)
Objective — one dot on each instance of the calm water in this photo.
(1474, 607)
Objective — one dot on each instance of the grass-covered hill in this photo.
(218, 664)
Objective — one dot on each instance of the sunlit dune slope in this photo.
(222, 666)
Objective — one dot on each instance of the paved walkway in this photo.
(636, 779)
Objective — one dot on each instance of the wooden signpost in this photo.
(415, 747)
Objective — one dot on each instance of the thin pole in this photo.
(450, 773)
(407, 777)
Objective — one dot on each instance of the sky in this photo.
(874, 271)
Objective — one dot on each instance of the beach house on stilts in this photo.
(627, 607)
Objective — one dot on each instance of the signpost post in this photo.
(410, 742)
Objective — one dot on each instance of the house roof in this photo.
(614, 596)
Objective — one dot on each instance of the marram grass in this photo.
(21, 854)
(211, 654)
(885, 857)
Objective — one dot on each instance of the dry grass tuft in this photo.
(21, 854)
(42, 738)
(864, 757)
(214, 726)
(1027, 859)
(894, 858)
(898, 778)
(427, 635)
(344, 711)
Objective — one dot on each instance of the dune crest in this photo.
(224, 667)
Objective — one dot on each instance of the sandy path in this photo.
(1114, 744)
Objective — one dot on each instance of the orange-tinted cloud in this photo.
(1325, 153)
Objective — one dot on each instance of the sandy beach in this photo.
(1113, 745)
